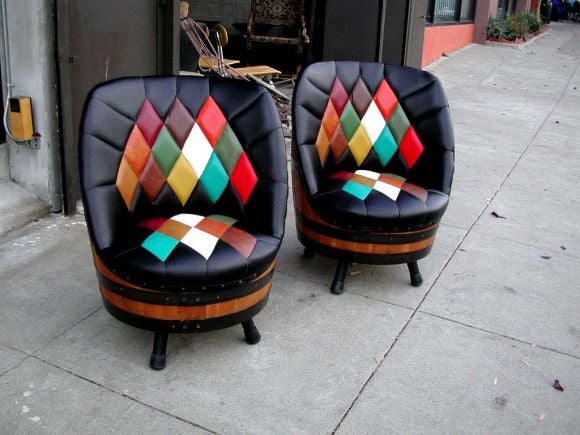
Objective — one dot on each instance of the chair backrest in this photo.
(277, 12)
(384, 118)
(160, 146)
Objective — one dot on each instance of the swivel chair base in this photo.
(159, 352)
(321, 237)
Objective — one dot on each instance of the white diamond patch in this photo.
(188, 219)
(200, 241)
(373, 122)
(388, 190)
(197, 150)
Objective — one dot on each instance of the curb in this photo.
(518, 46)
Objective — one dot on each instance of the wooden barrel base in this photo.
(395, 247)
(194, 310)
(184, 326)
(342, 250)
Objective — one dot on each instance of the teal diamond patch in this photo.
(385, 146)
(214, 178)
(356, 189)
(160, 245)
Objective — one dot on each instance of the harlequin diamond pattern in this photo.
(361, 122)
(183, 152)
(361, 183)
(199, 233)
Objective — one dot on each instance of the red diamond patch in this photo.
(386, 99)
(411, 147)
(338, 96)
(211, 121)
(244, 178)
(149, 122)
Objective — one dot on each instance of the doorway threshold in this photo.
(18, 206)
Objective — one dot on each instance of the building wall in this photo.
(445, 39)
(32, 61)
(224, 11)
(483, 10)
(523, 5)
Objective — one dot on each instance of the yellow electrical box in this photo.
(20, 118)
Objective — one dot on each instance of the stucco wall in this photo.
(445, 39)
(31, 44)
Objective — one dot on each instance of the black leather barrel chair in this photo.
(373, 156)
(184, 185)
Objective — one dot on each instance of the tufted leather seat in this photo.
(373, 158)
(184, 186)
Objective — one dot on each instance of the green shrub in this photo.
(534, 24)
(496, 27)
(513, 26)
(517, 26)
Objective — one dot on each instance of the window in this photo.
(450, 11)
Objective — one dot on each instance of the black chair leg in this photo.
(157, 361)
(337, 286)
(416, 278)
(251, 332)
(308, 252)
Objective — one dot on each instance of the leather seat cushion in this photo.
(371, 201)
(190, 250)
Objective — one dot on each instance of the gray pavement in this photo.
(475, 349)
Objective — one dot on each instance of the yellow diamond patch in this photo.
(182, 179)
(360, 145)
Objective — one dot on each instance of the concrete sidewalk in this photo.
(475, 349)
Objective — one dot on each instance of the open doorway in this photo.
(253, 32)
(100, 41)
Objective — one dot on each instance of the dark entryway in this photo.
(389, 31)
(102, 40)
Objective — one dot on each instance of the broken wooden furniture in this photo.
(184, 186)
(277, 22)
(372, 163)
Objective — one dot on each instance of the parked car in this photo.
(545, 10)
(558, 10)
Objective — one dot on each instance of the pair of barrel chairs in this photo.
(184, 185)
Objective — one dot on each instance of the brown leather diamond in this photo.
(338, 144)
(241, 241)
(152, 179)
(213, 227)
(361, 98)
(179, 122)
